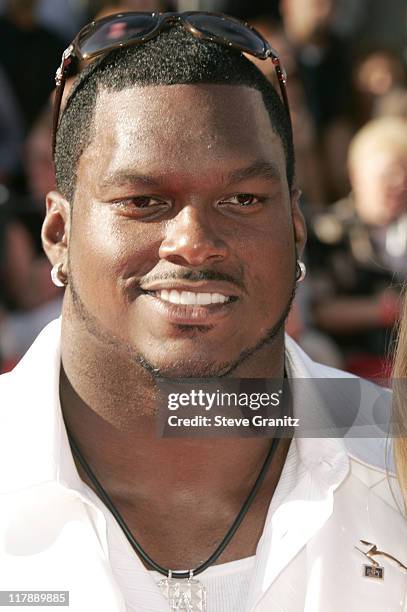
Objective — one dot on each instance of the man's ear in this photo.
(55, 229)
(300, 229)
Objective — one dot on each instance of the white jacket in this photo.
(52, 537)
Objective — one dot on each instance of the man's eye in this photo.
(142, 202)
(141, 206)
(241, 199)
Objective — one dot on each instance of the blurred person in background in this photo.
(29, 297)
(323, 62)
(11, 130)
(358, 249)
(27, 55)
(377, 74)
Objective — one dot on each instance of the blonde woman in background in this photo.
(357, 249)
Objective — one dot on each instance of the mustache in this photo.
(195, 276)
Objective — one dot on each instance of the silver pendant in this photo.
(187, 595)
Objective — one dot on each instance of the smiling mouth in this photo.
(191, 298)
(182, 307)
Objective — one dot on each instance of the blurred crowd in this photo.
(347, 86)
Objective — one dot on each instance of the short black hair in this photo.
(174, 57)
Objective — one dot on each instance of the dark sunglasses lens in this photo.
(232, 31)
(121, 29)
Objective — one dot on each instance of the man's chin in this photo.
(196, 362)
(183, 368)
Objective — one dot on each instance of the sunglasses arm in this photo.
(65, 61)
(60, 79)
(282, 80)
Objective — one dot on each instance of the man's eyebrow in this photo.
(259, 169)
(126, 177)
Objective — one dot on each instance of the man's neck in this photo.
(108, 402)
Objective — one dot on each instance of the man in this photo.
(176, 229)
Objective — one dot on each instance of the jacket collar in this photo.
(32, 397)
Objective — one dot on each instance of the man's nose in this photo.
(191, 240)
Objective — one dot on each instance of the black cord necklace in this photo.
(137, 547)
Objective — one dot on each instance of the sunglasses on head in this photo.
(125, 29)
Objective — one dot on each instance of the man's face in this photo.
(182, 243)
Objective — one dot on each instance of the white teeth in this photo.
(217, 298)
(203, 298)
(190, 298)
(174, 297)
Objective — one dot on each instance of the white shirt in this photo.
(53, 537)
(227, 585)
